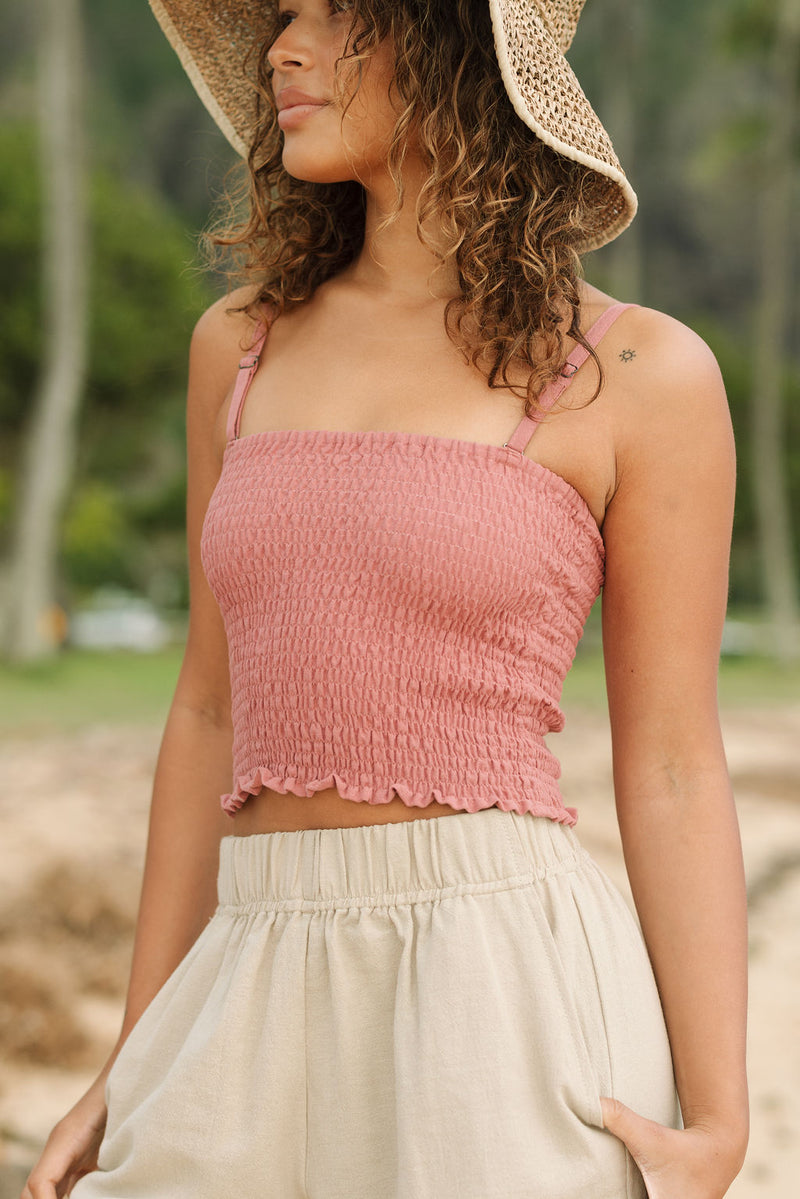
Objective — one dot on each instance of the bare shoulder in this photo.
(224, 333)
(654, 361)
(221, 336)
(676, 364)
(673, 405)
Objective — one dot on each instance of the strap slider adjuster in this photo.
(249, 362)
(568, 370)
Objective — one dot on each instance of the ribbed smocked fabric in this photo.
(401, 610)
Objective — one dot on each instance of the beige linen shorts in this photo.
(422, 1010)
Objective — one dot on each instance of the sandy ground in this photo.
(73, 813)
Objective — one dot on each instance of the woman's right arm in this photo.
(193, 767)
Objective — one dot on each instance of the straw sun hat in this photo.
(212, 39)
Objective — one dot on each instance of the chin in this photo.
(313, 169)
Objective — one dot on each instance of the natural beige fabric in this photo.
(217, 40)
(422, 1010)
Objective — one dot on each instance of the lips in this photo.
(292, 97)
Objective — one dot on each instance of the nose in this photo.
(288, 49)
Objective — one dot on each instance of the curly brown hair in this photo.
(511, 211)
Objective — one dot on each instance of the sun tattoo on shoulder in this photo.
(627, 355)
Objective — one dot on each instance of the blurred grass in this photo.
(83, 687)
(743, 681)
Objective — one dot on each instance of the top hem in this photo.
(260, 779)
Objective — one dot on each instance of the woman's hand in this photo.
(690, 1163)
(72, 1147)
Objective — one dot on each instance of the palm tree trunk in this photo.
(49, 442)
(625, 256)
(776, 234)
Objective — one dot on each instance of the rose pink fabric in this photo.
(401, 610)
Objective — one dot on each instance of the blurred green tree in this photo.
(145, 295)
(48, 453)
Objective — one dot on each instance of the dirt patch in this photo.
(37, 1022)
(768, 783)
(80, 916)
(68, 934)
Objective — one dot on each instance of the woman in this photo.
(402, 501)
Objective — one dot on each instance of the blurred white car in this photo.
(117, 619)
(742, 637)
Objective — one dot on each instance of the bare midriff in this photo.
(271, 812)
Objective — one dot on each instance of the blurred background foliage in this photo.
(681, 87)
(156, 166)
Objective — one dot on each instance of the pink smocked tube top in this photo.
(401, 611)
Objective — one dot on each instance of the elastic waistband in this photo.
(406, 862)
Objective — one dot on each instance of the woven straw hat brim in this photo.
(212, 39)
(215, 40)
(547, 97)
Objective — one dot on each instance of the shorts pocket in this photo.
(579, 995)
(613, 998)
(587, 1035)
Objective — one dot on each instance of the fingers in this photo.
(72, 1147)
(38, 1188)
(50, 1177)
(645, 1139)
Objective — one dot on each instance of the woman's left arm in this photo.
(667, 534)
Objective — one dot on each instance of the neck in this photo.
(394, 265)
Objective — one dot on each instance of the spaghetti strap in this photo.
(247, 368)
(528, 425)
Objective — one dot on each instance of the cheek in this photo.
(329, 149)
(367, 133)
(371, 117)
